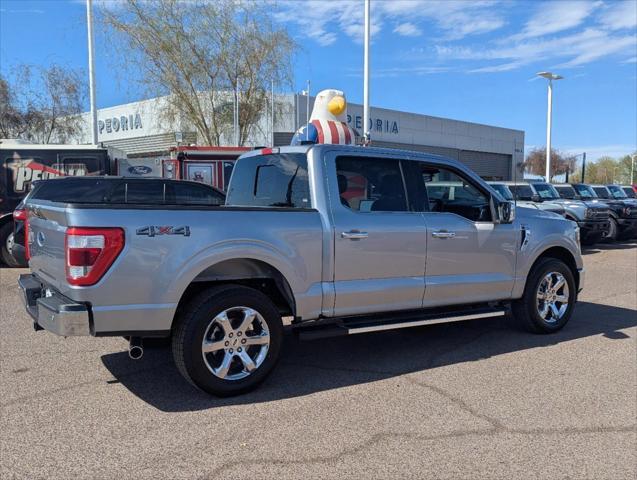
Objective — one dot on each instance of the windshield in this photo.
(585, 191)
(630, 193)
(546, 191)
(566, 192)
(522, 192)
(601, 192)
(617, 192)
(503, 191)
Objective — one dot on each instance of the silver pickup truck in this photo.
(322, 239)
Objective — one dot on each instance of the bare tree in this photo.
(43, 105)
(561, 163)
(199, 53)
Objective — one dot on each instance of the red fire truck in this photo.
(209, 165)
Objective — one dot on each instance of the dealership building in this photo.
(139, 130)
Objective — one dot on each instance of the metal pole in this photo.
(548, 132)
(307, 112)
(366, 131)
(272, 111)
(583, 167)
(91, 69)
(632, 169)
(236, 114)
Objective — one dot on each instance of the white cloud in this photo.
(569, 50)
(454, 18)
(407, 29)
(619, 15)
(556, 17)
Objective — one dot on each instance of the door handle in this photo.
(443, 234)
(354, 235)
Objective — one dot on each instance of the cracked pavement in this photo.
(466, 400)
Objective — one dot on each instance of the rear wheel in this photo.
(6, 244)
(228, 340)
(549, 297)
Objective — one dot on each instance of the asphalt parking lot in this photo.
(469, 400)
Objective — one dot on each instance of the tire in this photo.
(526, 310)
(6, 237)
(613, 231)
(202, 319)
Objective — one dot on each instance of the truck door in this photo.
(469, 257)
(379, 243)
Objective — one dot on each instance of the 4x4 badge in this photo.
(153, 230)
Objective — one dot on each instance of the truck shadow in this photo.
(599, 247)
(310, 367)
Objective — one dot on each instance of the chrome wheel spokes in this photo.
(552, 297)
(235, 343)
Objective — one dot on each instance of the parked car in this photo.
(25, 163)
(630, 191)
(335, 239)
(96, 190)
(527, 196)
(592, 219)
(616, 192)
(623, 218)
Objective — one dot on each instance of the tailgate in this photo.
(47, 227)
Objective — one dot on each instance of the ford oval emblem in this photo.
(40, 238)
(140, 170)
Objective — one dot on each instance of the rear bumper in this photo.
(53, 312)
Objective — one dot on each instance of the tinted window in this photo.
(566, 192)
(522, 192)
(503, 190)
(371, 184)
(278, 180)
(138, 192)
(546, 191)
(601, 192)
(73, 190)
(188, 194)
(629, 192)
(585, 191)
(616, 191)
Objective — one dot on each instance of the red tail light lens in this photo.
(22, 215)
(90, 252)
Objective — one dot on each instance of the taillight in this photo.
(23, 216)
(90, 252)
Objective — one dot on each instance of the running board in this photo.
(355, 325)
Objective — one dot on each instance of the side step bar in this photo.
(355, 325)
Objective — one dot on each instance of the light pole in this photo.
(366, 130)
(91, 70)
(632, 169)
(550, 77)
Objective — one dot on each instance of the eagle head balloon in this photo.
(328, 122)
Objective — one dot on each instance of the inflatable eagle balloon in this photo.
(328, 122)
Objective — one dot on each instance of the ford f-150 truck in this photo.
(325, 239)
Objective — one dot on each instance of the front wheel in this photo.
(549, 297)
(228, 340)
(613, 231)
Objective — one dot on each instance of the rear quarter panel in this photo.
(152, 273)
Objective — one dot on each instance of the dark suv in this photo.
(108, 191)
(623, 218)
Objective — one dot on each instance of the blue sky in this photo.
(468, 60)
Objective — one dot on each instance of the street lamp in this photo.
(550, 77)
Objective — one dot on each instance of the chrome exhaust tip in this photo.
(135, 348)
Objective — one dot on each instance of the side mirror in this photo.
(536, 198)
(505, 212)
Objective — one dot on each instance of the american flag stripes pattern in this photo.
(325, 131)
